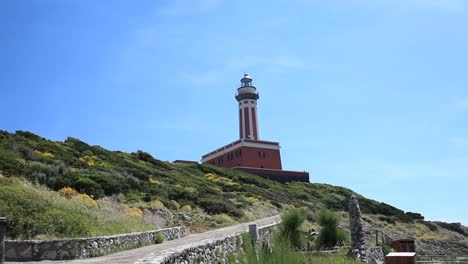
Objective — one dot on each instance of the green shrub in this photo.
(341, 257)
(282, 252)
(289, 227)
(33, 210)
(415, 216)
(330, 235)
(214, 205)
(159, 238)
(455, 227)
(30, 214)
(431, 226)
(387, 219)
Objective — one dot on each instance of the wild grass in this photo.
(284, 253)
(341, 257)
(34, 211)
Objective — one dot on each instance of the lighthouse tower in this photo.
(247, 97)
(249, 153)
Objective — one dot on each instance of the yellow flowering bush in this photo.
(153, 181)
(186, 208)
(219, 179)
(134, 212)
(251, 199)
(68, 192)
(156, 204)
(80, 197)
(90, 160)
(85, 199)
(44, 154)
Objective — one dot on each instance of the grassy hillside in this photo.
(201, 196)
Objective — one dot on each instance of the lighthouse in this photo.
(249, 153)
(247, 97)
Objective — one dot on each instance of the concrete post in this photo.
(3, 224)
(253, 232)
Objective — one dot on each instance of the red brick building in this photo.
(249, 153)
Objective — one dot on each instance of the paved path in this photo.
(131, 256)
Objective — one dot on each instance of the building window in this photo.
(261, 154)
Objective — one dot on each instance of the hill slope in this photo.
(198, 195)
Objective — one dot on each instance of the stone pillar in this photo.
(358, 243)
(2, 239)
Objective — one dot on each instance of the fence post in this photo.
(3, 224)
(253, 232)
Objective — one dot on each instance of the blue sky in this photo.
(367, 94)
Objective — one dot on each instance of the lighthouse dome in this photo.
(246, 90)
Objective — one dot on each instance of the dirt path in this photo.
(151, 252)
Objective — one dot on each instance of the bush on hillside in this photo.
(215, 205)
(415, 216)
(431, 226)
(330, 234)
(291, 221)
(34, 211)
(455, 227)
(33, 215)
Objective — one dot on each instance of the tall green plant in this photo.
(330, 235)
(289, 227)
(282, 253)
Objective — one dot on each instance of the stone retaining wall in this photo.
(207, 251)
(26, 250)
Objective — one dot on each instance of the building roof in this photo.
(241, 143)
